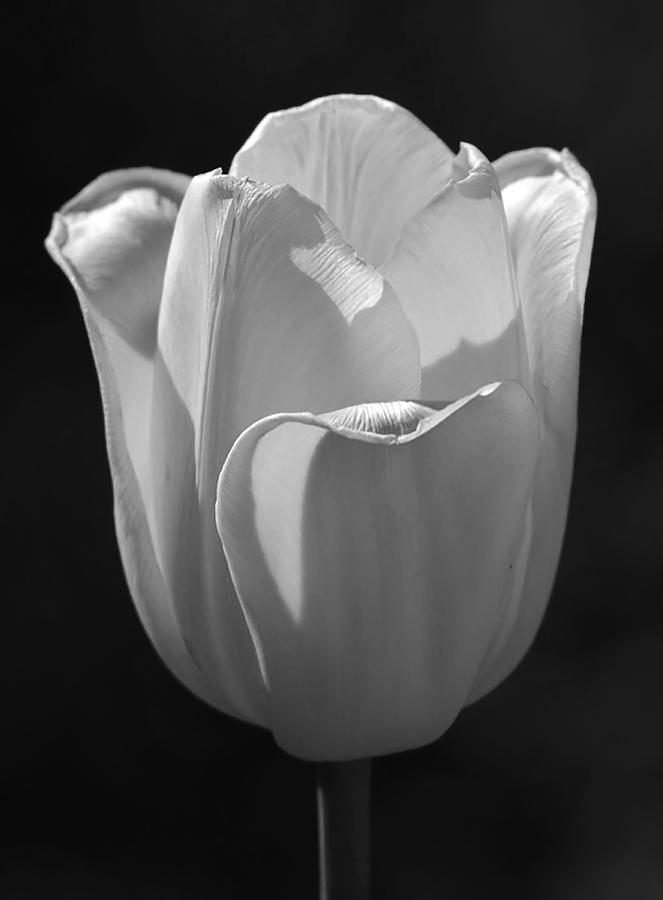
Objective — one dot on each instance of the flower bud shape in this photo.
(339, 387)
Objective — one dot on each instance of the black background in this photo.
(114, 782)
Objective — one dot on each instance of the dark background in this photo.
(114, 781)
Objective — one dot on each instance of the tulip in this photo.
(339, 387)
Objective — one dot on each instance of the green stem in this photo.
(344, 829)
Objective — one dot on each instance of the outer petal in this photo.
(453, 272)
(369, 163)
(551, 210)
(373, 567)
(111, 241)
(265, 309)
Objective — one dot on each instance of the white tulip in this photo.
(339, 388)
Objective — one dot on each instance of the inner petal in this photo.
(453, 272)
(369, 163)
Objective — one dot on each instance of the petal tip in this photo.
(56, 236)
(571, 167)
(472, 173)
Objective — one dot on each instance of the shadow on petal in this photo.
(470, 366)
(209, 617)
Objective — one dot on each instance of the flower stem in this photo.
(344, 829)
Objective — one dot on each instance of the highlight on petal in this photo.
(551, 211)
(111, 241)
(372, 551)
(265, 309)
(115, 236)
(453, 272)
(368, 162)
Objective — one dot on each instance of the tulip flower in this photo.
(339, 387)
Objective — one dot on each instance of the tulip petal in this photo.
(368, 162)
(265, 309)
(111, 241)
(453, 272)
(113, 238)
(551, 211)
(372, 551)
